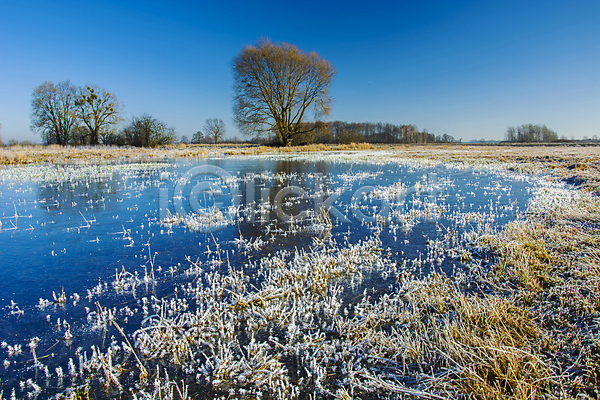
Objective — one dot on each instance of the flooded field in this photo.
(264, 276)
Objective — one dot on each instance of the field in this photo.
(575, 162)
(526, 326)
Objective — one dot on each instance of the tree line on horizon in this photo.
(530, 133)
(276, 86)
(342, 132)
(64, 114)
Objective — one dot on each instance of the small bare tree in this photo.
(215, 129)
(275, 84)
(147, 131)
(98, 109)
(198, 138)
(53, 111)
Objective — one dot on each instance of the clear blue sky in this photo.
(468, 69)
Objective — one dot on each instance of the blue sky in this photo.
(468, 69)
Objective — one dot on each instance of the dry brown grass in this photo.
(38, 154)
(550, 266)
(530, 330)
(454, 343)
(24, 155)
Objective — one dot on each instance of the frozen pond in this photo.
(80, 241)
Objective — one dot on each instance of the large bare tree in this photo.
(214, 128)
(98, 110)
(274, 86)
(53, 111)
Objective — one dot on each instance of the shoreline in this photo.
(578, 165)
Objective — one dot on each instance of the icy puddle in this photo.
(231, 277)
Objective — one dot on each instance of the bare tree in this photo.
(147, 131)
(53, 111)
(98, 109)
(511, 134)
(275, 84)
(198, 138)
(79, 136)
(215, 129)
(0, 134)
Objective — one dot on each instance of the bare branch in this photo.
(98, 109)
(215, 129)
(274, 86)
(53, 112)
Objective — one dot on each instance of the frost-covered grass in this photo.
(526, 328)
(303, 324)
(24, 155)
(71, 173)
